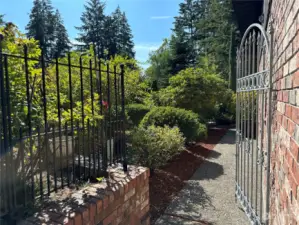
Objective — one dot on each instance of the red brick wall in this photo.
(122, 199)
(284, 201)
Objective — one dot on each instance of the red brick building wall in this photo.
(284, 199)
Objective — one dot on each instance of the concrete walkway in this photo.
(208, 197)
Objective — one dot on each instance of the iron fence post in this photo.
(125, 165)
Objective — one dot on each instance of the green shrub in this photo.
(196, 89)
(154, 146)
(136, 112)
(187, 121)
(226, 112)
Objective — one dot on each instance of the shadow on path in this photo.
(167, 182)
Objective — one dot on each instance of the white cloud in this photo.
(160, 17)
(75, 42)
(147, 47)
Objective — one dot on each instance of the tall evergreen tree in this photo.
(215, 30)
(185, 26)
(93, 26)
(119, 35)
(42, 24)
(1, 20)
(62, 42)
(126, 38)
(111, 35)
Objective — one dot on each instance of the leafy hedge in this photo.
(154, 146)
(136, 112)
(187, 121)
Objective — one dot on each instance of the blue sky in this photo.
(150, 20)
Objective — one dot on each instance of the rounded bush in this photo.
(187, 121)
(154, 146)
(136, 112)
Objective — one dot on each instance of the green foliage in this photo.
(13, 43)
(135, 87)
(62, 42)
(198, 90)
(202, 28)
(136, 112)
(160, 69)
(93, 26)
(214, 32)
(186, 121)
(47, 27)
(226, 112)
(2, 22)
(154, 146)
(110, 34)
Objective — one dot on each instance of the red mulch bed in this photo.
(165, 183)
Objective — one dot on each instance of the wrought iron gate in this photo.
(253, 130)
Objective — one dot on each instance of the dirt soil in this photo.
(165, 183)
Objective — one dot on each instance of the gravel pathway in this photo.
(208, 197)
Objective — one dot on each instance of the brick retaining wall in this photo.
(121, 199)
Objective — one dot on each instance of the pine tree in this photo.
(119, 34)
(2, 22)
(181, 52)
(93, 26)
(111, 34)
(126, 38)
(214, 30)
(62, 42)
(185, 26)
(41, 25)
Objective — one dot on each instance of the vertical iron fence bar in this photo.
(1, 126)
(261, 156)
(23, 165)
(119, 117)
(59, 118)
(95, 126)
(41, 188)
(92, 111)
(91, 87)
(102, 123)
(109, 116)
(248, 118)
(72, 115)
(116, 116)
(54, 158)
(9, 120)
(263, 52)
(88, 146)
(45, 117)
(247, 109)
(4, 118)
(241, 115)
(79, 156)
(258, 124)
(269, 125)
(67, 153)
(125, 166)
(29, 118)
(82, 114)
(237, 126)
(252, 114)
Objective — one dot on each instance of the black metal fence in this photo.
(62, 123)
